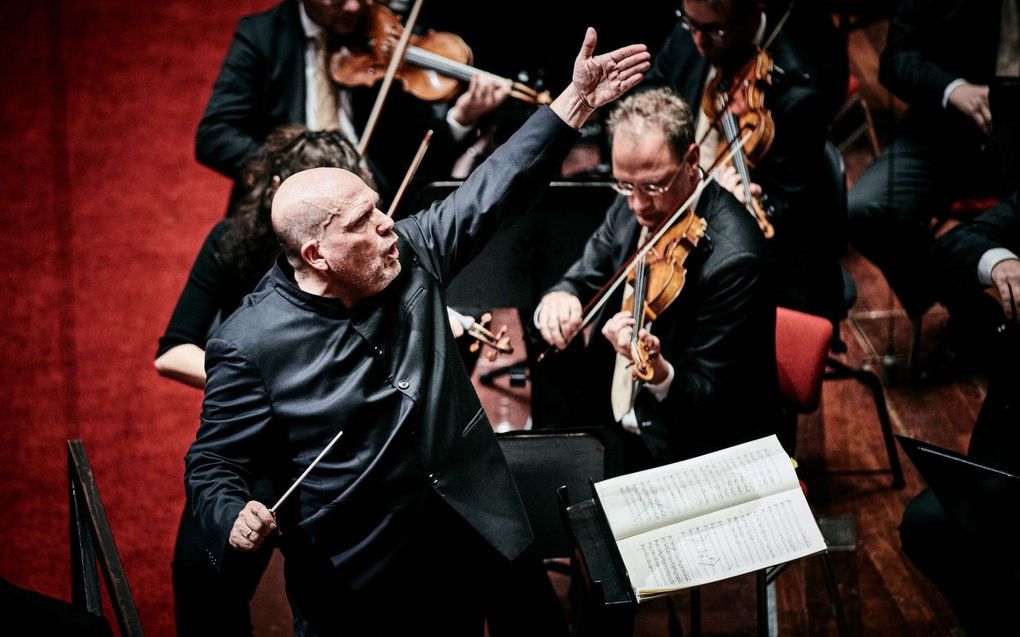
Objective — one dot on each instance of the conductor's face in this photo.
(357, 244)
(336, 16)
(649, 174)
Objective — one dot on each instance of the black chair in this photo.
(837, 369)
(541, 463)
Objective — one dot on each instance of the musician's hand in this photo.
(729, 178)
(456, 326)
(253, 525)
(972, 101)
(484, 93)
(559, 318)
(1006, 277)
(617, 331)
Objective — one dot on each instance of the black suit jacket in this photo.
(262, 85)
(996, 437)
(719, 334)
(930, 44)
(810, 234)
(289, 369)
(960, 249)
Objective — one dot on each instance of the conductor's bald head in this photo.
(333, 235)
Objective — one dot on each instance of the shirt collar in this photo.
(311, 28)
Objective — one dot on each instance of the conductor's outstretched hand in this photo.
(600, 79)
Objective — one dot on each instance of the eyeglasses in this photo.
(708, 30)
(628, 189)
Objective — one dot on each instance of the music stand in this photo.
(979, 498)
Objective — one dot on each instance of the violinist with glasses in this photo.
(708, 352)
(736, 64)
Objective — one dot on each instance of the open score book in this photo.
(709, 518)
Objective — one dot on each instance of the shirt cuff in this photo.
(949, 89)
(989, 260)
(661, 390)
(458, 130)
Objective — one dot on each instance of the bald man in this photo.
(415, 506)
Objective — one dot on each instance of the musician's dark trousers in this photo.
(892, 205)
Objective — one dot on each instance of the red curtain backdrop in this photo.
(103, 209)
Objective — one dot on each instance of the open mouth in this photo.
(393, 253)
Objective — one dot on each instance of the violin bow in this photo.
(391, 71)
(418, 156)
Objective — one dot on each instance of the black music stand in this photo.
(979, 498)
(544, 462)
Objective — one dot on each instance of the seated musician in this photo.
(275, 73)
(982, 592)
(712, 351)
(941, 58)
(710, 47)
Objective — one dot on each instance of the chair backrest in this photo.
(802, 345)
(542, 462)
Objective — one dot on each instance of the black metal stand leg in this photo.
(696, 612)
(761, 586)
(830, 585)
(871, 381)
(674, 627)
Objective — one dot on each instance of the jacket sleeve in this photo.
(725, 323)
(959, 250)
(221, 464)
(904, 68)
(452, 231)
(199, 302)
(227, 135)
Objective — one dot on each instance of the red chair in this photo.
(803, 362)
(802, 346)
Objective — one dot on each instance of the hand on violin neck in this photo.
(729, 179)
(599, 79)
(618, 331)
(484, 93)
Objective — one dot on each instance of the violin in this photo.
(657, 280)
(498, 342)
(433, 68)
(685, 233)
(736, 106)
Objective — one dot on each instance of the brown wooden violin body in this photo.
(658, 280)
(736, 106)
(434, 66)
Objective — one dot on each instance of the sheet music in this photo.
(641, 501)
(722, 544)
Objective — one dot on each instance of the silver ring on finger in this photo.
(247, 535)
